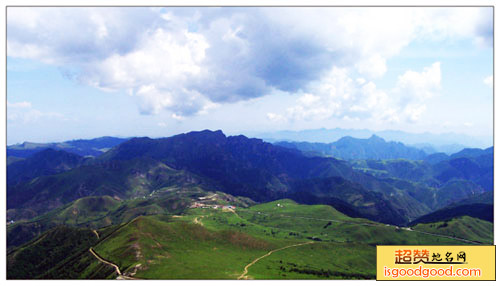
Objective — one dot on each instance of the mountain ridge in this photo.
(82, 147)
(443, 142)
(349, 148)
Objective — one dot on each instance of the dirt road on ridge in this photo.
(243, 275)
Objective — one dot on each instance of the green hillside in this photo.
(43, 163)
(180, 250)
(208, 238)
(464, 227)
(88, 211)
(477, 210)
(396, 168)
(119, 179)
(356, 262)
(59, 253)
(275, 240)
(264, 172)
(323, 223)
(240, 166)
(422, 182)
(98, 212)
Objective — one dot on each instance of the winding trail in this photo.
(243, 275)
(117, 269)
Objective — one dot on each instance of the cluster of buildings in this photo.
(205, 206)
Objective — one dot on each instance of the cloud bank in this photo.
(338, 95)
(188, 61)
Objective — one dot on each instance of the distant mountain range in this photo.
(349, 148)
(82, 147)
(479, 206)
(43, 163)
(252, 168)
(393, 159)
(430, 142)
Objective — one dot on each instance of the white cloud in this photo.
(276, 117)
(373, 67)
(458, 23)
(188, 60)
(75, 36)
(177, 117)
(22, 104)
(337, 95)
(330, 93)
(159, 71)
(413, 112)
(420, 85)
(23, 112)
(488, 81)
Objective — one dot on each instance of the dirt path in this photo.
(243, 275)
(197, 221)
(117, 269)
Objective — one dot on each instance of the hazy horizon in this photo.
(273, 136)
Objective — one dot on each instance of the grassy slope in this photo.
(124, 180)
(313, 221)
(464, 227)
(94, 212)
(227, 241)
(100, 211)
(218, 244)
(59, 253)
(180, 250)
(318, 261)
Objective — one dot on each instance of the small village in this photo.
(210, 206)
(210, 202)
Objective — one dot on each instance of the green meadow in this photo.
(218, 244)
(275, 240)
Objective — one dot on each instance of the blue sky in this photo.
(89, 72)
